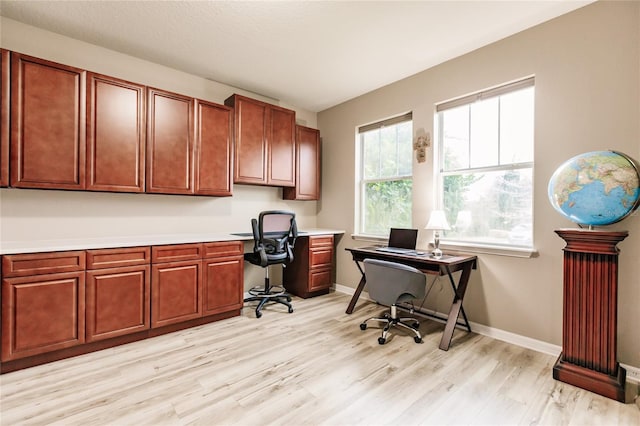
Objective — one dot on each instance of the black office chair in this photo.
(390, 283)
(274, 234)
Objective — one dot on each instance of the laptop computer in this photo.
(401, 241)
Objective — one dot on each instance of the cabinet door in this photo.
(250, 153)
(115, 135)
(42, 313)
(223, 285)
(169, 143)
(4, 117)
(213, 149)
(281, 147)
(176, 292)
(117, 301)
(48, 124)
(307, 166)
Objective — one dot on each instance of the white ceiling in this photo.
(311, 54)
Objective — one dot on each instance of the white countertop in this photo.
(35, 246)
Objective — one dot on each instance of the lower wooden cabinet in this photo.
(176, 292)
(208, 279)
(223, 277)
(118, 284)
(310, 273)
(60, 304)
(42, 313)
(117, 302)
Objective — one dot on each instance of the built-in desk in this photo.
(446, 265)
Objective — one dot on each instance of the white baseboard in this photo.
(633, 373)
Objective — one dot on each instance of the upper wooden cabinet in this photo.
(5, 65)
(213, 149)
(308, 166)
(169, 143)
(115, 135)
(48, 118)
(281, 147)
(264, 142)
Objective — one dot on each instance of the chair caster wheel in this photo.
(290, 310)
(363, 326)
(382, 340)
(415, 325)
(417, 339)
(288, 299)
(258, 314)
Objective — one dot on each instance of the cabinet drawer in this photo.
(321, 241)
(223, 249)
(320, 257)
(115, 258)
(176, 252)
(22, 265)
(319, 280)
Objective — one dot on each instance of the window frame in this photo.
(361, 182)
(440, 174)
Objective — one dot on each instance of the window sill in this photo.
(370, 238)
(523, 252)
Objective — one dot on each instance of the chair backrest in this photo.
(274, 234)
(390, 282)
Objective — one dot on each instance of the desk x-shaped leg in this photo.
(356, 294)
(456, 306)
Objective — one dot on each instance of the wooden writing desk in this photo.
(446, 265)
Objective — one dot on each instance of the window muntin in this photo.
(486, 166)
(385, 176)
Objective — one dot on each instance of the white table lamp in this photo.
(437, 222)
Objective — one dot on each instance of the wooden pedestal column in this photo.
(589, 334)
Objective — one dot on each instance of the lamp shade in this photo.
(438, 221)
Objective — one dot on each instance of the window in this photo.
(385, 176)
(485, 145)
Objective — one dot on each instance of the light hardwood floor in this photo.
(312, 367)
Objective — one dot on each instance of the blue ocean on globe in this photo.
(591, 206)
(596, 188)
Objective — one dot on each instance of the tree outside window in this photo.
(385, 176)
(486, 166)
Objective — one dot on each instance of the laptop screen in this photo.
(403, 238)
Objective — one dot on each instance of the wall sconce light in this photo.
(420, 145)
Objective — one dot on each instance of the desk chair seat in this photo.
(274, 235)
(390, 283)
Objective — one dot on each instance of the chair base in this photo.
(268, 294)
(391, 319)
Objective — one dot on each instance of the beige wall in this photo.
(587, 67)
(29, 215)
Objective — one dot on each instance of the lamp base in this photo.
(436, 253)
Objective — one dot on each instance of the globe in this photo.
(596, 188)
